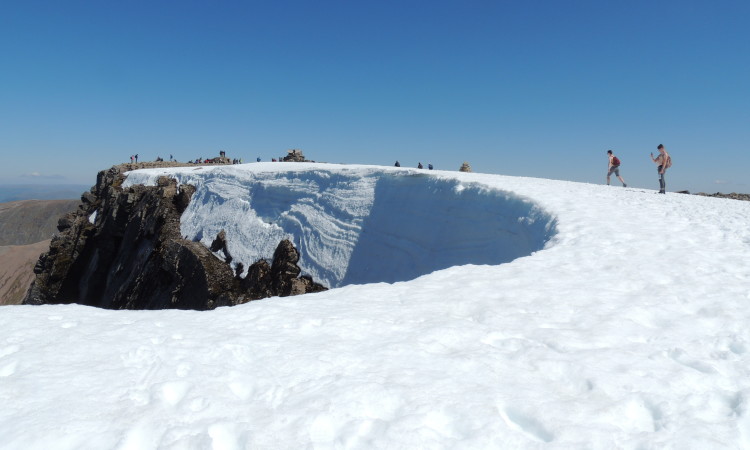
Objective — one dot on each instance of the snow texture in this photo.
(627, 330)
(358, 226)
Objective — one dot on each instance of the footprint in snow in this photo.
(171, 392)
(679, 356)
(8, 369)
(526, 424)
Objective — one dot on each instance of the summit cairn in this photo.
(465, 167)
(294, 155)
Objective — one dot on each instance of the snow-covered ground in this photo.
(623, 322)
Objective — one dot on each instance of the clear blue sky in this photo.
(531, 88)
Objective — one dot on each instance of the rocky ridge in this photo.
(733, 195)
(122, 249)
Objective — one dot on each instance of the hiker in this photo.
(663, 162)
(420, 166)
(614, 166)
(429, 166)
(131, 159)
(136, 158)
(398, 164)
(170, 157)
(258, 159)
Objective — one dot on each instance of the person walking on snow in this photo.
(614, 166)
(663, 162)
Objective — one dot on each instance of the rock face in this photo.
(122, 249)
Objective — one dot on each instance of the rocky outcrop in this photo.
(294, 155)
(733, 195)
(122, 249)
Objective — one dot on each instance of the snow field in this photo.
(629, 330)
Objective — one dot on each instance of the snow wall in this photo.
(360, 226)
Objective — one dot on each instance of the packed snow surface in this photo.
(622, 322)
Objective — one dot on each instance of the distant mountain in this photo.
(15, 192)
(30, 221)
(17, 270)
(26, 228)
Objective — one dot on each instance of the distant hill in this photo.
(30, 221)
(25, 231)
(17, 270)
(15, 192)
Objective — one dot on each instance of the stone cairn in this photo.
(294, 155)
(465, 167)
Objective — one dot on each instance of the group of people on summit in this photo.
(663, 162)
(419, 166)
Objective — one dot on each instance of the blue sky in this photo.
(532, 88)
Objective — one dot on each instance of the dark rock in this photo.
(88, 197)
(135, 257)
(66, 221)
(258, 280)
(238, 269)
(284, 268)
(220, 244)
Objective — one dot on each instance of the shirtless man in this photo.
(614, 166)
(663, 161)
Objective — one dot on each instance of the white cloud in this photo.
(43, 176)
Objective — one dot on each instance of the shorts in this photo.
(615, 169)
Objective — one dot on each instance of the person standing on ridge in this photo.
(614, 166)
(398, 164)
(136, 158)
(663, 162)
(420, 166)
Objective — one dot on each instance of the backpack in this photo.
(668, 164)
(615, 161)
